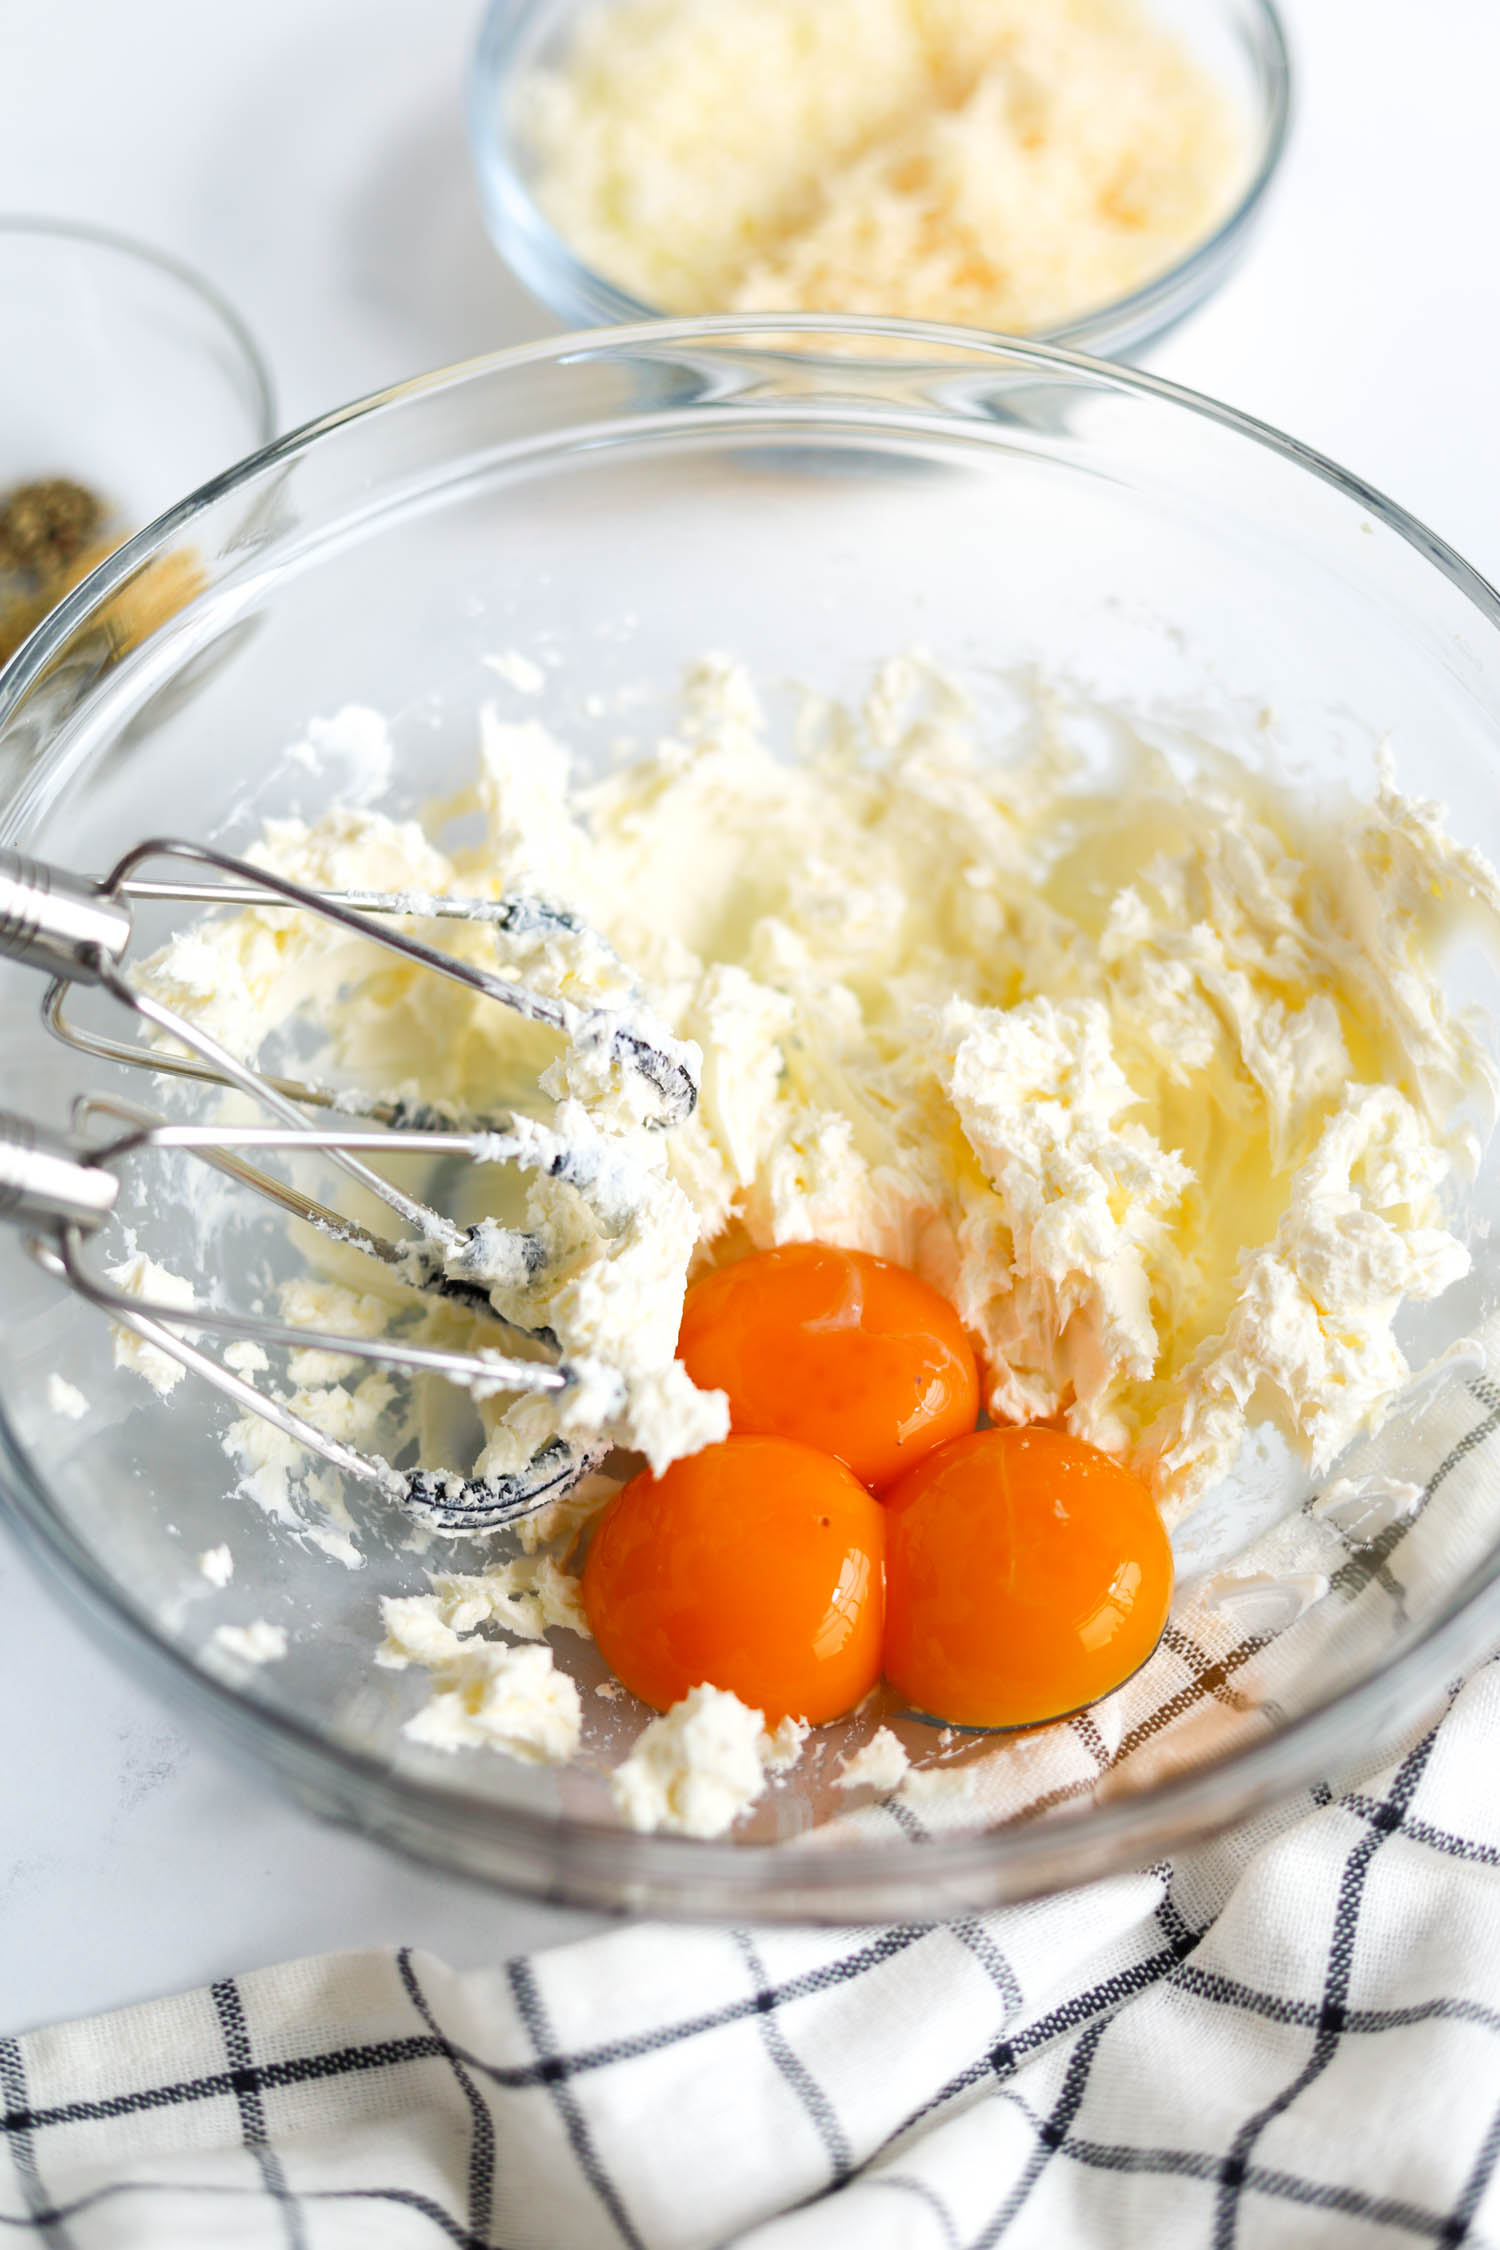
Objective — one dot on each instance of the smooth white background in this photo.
(309, 155)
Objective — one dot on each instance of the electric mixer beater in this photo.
(61, 1190)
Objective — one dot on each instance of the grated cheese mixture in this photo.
(1004, 164)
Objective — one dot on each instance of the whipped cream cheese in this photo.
(140, 1276)
(1156, 1082)
(216, 1564)
(695, 1769)
(65, 1398)
(255, 1643)
(882, 1765)
(485, 1693)
(1361, 1508)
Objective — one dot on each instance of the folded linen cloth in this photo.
(1292, 2036)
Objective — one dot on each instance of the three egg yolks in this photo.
(855, 1522)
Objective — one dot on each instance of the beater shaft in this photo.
(78, 931)
(46, 1181)
(58, 923)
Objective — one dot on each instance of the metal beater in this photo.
(63, 1189)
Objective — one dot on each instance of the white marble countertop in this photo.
(309, 155)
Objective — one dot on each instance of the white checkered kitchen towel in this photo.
(1290, 2037)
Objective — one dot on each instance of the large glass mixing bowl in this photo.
(611, 505)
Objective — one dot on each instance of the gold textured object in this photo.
(45, 525)
(53, 532)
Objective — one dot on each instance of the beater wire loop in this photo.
(60, 1192)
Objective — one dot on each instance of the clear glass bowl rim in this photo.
(606, 1863)
(578, 290)
(262, 394)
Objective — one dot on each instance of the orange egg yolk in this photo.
(755, 1565)
(837, 1349)
(1027, 1574)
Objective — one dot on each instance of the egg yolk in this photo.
(1027, 1574)
(837, 1349)
(756, 1565)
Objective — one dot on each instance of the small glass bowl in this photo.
(609, 506)
(120, 370)
(1240, 42)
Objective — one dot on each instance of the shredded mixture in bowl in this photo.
(1143, 1064)
(1004, 164)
